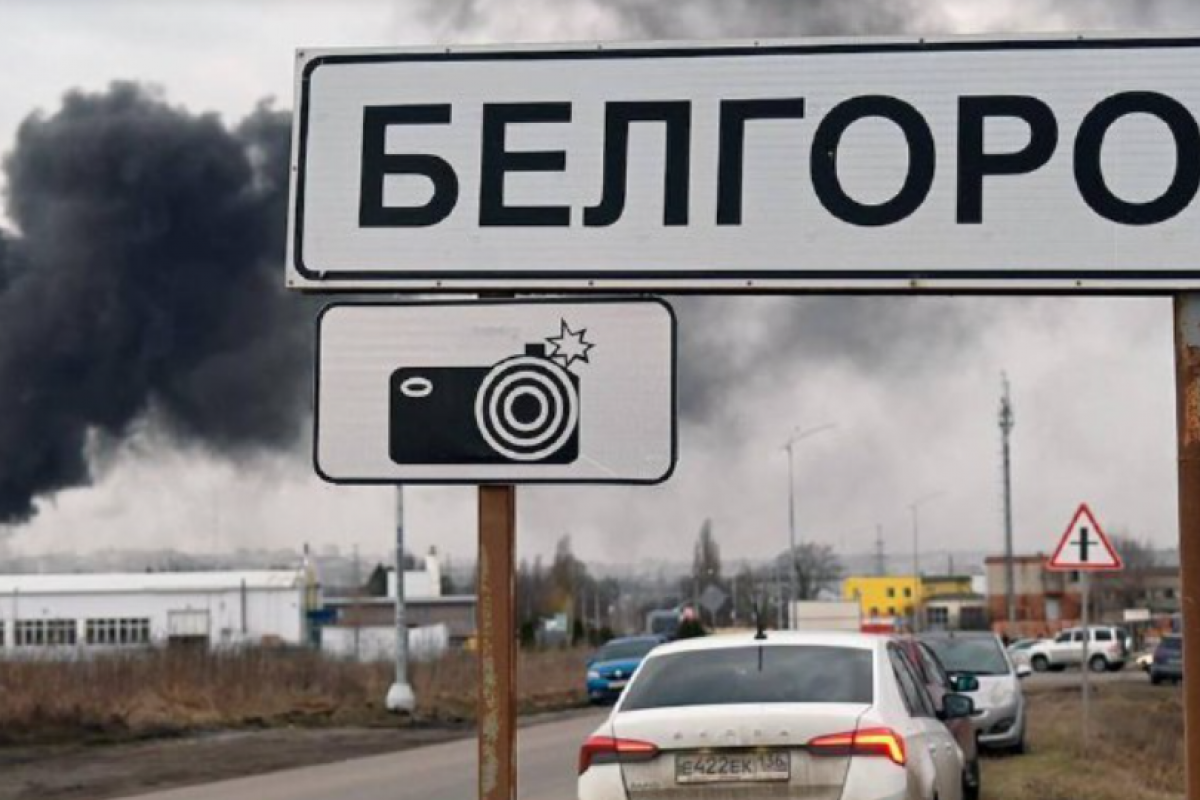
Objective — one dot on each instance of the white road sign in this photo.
(522, 391)
(1084, 547)
(975, 164)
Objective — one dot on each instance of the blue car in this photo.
(611, 667)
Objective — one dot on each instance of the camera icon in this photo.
(522, 409)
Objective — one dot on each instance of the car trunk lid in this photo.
(732, 734)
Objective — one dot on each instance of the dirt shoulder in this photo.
(1135, 751)
(114, 726)
(102, 771)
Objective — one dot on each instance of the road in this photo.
(546, 752)
(547, 755)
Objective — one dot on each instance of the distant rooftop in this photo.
(117, 582)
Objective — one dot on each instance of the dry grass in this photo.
(164, 693)
(1135, 752)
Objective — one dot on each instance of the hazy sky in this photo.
(911, 383)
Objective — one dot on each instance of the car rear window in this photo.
(753, 674)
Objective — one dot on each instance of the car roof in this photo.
(861, 641)
(938, 635)
(630, 639)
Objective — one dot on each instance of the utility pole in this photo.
(734, 611)
(356, 577)
(779, 598)
(790, 447)
(1007, 421)
(400, 696)
(880, 558)
(914, 507)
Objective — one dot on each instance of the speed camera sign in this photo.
(508, 391)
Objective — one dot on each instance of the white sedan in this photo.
(819, 716)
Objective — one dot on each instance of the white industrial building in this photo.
(61, 614)
(363, 627)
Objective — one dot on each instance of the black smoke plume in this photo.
(144, 283)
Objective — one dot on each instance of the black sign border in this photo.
(573, 300)
(723, 281)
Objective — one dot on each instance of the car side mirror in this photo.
(964, 683)
(1024, 671)
(957, 706)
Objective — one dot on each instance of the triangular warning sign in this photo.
(1084, 547)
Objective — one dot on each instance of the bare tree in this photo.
(1127, 588)
(706, 564)
(817, 567)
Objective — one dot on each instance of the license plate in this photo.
(617, 684)
(733, 767)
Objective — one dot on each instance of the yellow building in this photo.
(945, 586)
(883, 596)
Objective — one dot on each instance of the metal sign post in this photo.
(1187, 393)
(1085, 549)
(497, 683)
(1085, 582)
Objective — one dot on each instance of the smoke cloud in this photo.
(733, 349)
(144, 284)
(525, 20)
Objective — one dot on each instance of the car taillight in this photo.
(870, 742)
(608, 750)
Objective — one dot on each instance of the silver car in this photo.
(818, 716)
(999, 700)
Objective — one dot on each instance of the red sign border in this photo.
(1085, 511)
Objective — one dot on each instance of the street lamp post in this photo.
(790, 446)
(915, 506)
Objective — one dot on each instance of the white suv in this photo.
(1107, 650)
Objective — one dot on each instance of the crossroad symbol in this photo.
(1084, 546)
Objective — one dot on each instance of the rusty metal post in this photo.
(497, 643)
(1085, 669)
(1187, 392)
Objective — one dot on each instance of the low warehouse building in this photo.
(42, 614)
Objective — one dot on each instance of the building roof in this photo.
(124, 582)
(368, 602)
(1039, 558)
(879, 578)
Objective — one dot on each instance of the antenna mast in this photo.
(1007, 421)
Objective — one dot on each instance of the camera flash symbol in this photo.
(570, 346)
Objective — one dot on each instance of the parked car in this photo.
(1107, 650)
(611, 667)
(999, 700)
(940, 685)
(663, 622)
(1168, 661)
(1018, 651)
(791, 714)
